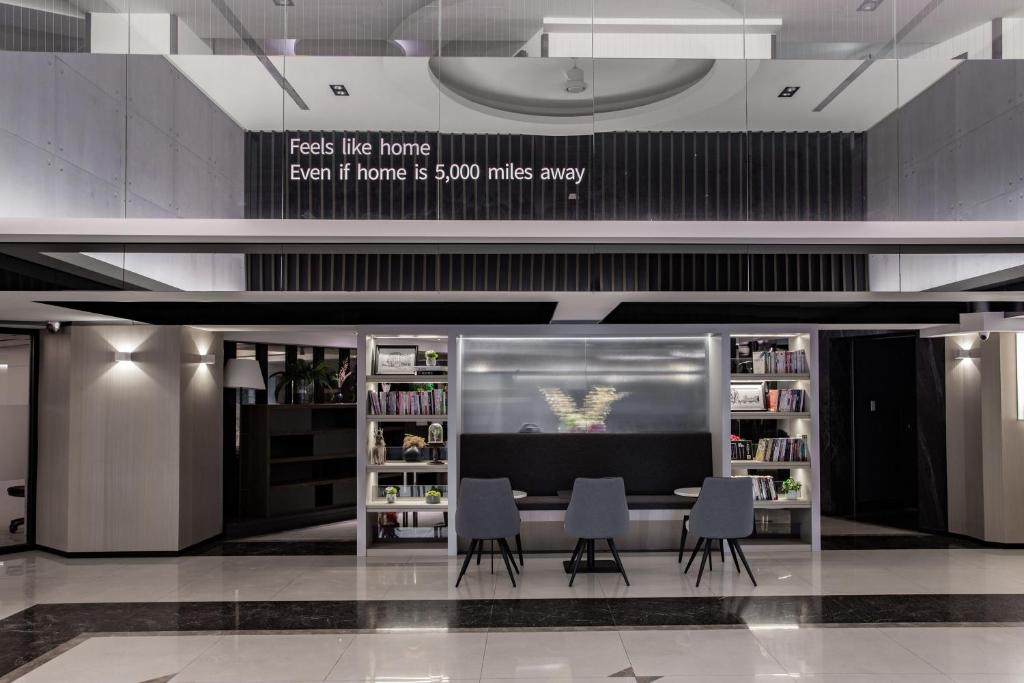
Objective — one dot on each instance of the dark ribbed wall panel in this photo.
(630, 175)
(661, 272)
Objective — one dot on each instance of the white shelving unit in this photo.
(370, 503)
(804, 511)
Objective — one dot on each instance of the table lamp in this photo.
(244, 373)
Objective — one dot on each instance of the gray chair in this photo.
(597, 509)
(724, 511)
(487, 511)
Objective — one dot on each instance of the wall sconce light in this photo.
(3, 366)
(964, 354)
(122, 356)
(207, 358)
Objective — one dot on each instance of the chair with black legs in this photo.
(724, 511)
(487, 512)
(597, 509)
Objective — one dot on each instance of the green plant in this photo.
(431, 354)
(391, 491)
(791, 485)
(433, 493)
(304, 372)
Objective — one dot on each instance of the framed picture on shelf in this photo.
(746, 396)
(395, 360)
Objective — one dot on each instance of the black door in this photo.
(885, 431)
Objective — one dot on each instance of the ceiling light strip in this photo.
(261, 55)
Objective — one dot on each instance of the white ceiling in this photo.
(400, 93)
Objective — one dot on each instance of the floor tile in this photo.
(698, 652)
(965, 650)
(554, 654)
(839, 651)
(267, 658)
(129, 659)
(412, 656)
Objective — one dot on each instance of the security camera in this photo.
(984, 335)
(54, 326)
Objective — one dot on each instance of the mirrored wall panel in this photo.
(594, 384)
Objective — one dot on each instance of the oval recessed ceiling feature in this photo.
(540, 86)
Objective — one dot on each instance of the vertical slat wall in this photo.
(560, 272)
(629, 176)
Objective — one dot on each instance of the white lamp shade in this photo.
(243, 373)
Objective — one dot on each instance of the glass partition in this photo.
(623, 385)
(540, 109)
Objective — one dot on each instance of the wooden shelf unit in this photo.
(297, 459)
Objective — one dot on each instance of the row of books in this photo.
(771, 450)
(780, 362)
(787, 400)
(764, 488)
(433, 402)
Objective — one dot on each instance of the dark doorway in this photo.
(885, 462)
(883, 439)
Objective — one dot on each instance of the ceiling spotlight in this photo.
(574, 83)
(789, 91)
(869, 5)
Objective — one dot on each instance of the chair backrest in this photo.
(486, 509)
(724, 508)
(597, 508)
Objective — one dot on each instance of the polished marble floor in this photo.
(846, 655)
(34, 577)
(864, 615)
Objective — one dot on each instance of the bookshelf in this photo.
(398, 402)
(780, 362)
(298, 459)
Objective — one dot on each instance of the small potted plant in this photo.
(411, 446)
(791, 487)
(391, 493)
(433, 496)
(431, 357)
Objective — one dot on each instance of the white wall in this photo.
(130, 452)
(985, 441)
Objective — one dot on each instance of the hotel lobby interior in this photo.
(533, 340)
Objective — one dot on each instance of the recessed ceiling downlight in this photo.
(574, 82)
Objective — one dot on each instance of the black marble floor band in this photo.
(235, 548)
(896, 542)
(37, 630)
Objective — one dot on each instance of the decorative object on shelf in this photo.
(411, 446)
(346, 392)
(746, 396)
(435, 434)
(791, 487)
(379, 452)
(433, 497)
(529, 428)
(431, 358)
(597, 404)
(303, 377)
(391, 494)
(396, 360)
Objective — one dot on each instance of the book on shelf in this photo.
(764, 487)
(787, 400)
(780, 362)
(434, 402)
(777, 449)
